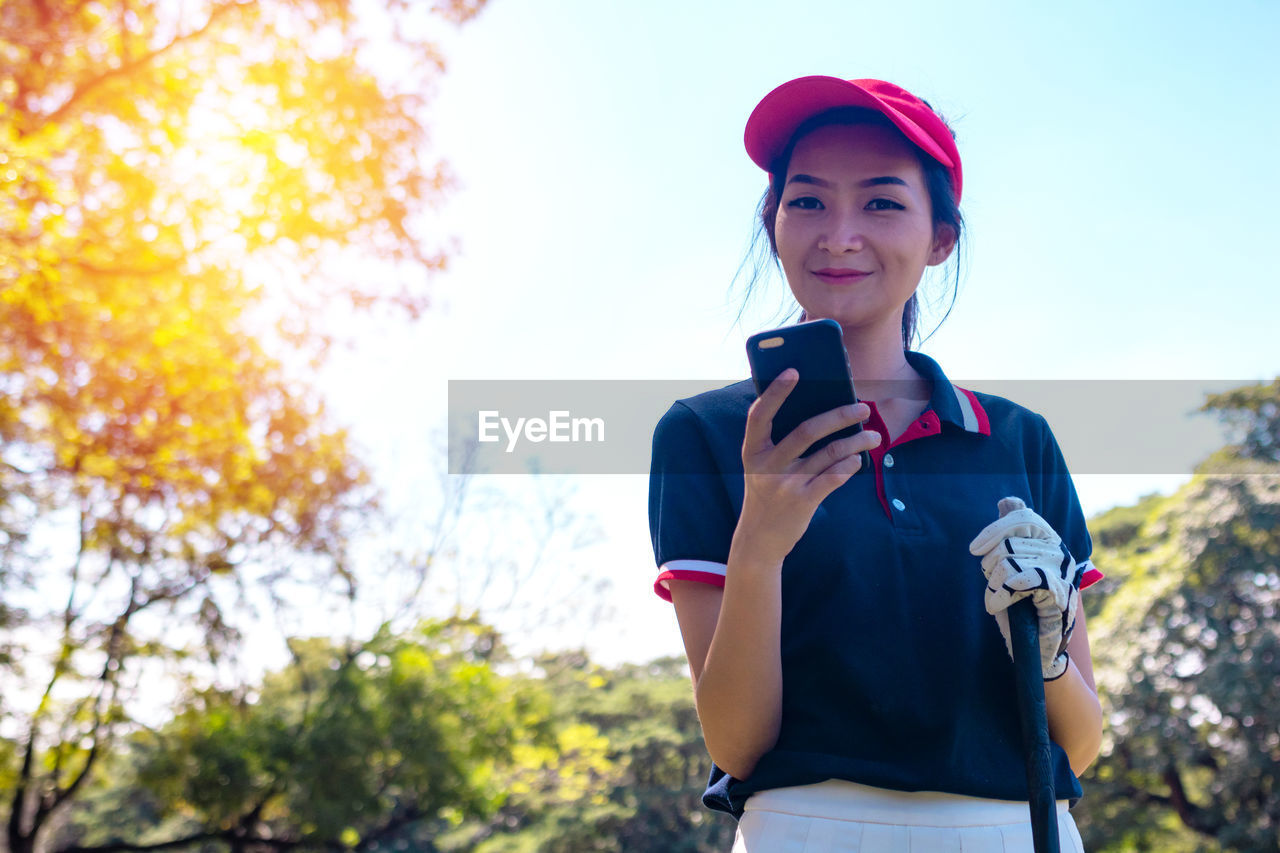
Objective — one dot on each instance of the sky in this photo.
(1120, 189)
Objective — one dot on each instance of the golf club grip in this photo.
(1024, 634)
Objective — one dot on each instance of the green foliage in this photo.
(1118, 526)
(629, 774)
(428, 741)
(1187, 649)
(8, 764)
(1253, 414)
(347, 748)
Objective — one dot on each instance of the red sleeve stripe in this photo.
(703, 571)
(1091, 575)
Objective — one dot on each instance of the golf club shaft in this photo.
(1024, 636)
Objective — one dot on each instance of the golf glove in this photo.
(1022, 556)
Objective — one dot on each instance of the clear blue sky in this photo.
(1120, 194)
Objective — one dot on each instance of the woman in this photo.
(854, 690)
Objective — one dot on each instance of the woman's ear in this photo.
(944, 242)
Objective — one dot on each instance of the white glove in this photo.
(1023, 556)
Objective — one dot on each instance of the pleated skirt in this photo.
(844, 817)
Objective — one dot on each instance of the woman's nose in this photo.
(843, 235)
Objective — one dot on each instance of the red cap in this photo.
(775, 119)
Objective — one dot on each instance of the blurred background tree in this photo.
(185, 192)
(427, 740)
(627, 771)
(361, 747)
(1187, 647)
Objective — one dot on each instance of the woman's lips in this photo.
(840, 276)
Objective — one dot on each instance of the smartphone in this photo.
(816, 350)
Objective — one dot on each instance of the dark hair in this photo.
(942, 198)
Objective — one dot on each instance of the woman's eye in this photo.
(805, 202)
(885, 204)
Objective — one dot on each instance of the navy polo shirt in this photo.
(893, 673)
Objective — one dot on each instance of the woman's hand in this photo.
(782, 490)
(1023, 557)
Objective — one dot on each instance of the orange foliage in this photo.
(172, 176)
(182, 186)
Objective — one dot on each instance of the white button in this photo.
(888, 460)
(898, 505)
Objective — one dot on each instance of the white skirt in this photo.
(844, 817)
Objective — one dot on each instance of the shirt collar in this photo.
(956, 405)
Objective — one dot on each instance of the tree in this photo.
(179, 187)
(1252, 412)
(627, 774)
(428, 740)
(348, 748)
(1188, 650)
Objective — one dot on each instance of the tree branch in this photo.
(107, 683)
(232, 836)
(129, 67)
(19, 802)
(1193, 816)
(407, 816)
(120, 846)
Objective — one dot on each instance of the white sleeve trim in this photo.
(704, 566)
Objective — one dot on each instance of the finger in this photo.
(762, 412)
(1024, 523)
(1067, 565)
(987, 539)
(1001, 566)
(1010, 504)
(1028, 523)
(832, 477)
(1013, 573)
(834, 452)
(1048, 553)
(820, 426)
(1001, 600)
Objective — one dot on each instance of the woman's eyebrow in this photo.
(885, 179)
(869, 182)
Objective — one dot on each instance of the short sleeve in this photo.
(1059, 504)
(691, 519)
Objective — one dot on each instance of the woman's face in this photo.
(854, 228)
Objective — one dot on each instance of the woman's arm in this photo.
(731, 637)
(1075, 716)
